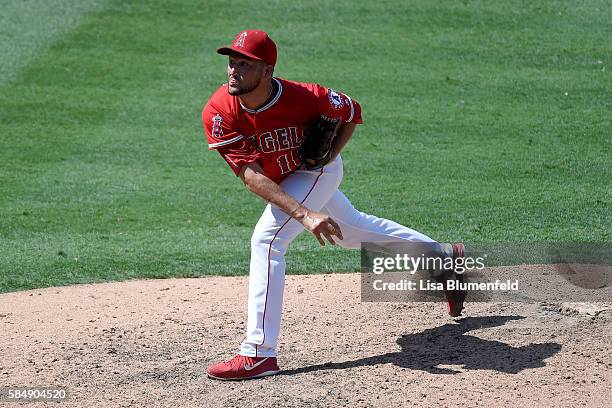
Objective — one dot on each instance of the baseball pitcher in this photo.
(283, 139)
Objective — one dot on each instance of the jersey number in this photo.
(283, 162)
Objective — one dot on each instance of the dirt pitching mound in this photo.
(147, 344)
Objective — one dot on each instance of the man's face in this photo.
(244, 74)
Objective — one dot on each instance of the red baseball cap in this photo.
(253, 44)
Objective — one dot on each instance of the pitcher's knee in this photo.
(259, 240)
(269, 242)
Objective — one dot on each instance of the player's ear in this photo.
(269, 71)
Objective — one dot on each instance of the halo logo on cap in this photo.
(259, 47)
(240, 40)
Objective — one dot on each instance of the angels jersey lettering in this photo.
(272, 134)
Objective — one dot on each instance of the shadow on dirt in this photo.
(449, 345)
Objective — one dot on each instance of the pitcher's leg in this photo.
(271, 238)
(358, 227)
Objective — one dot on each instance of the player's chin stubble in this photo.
(242, 89)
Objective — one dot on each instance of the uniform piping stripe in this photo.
(352, 109)
(263, 325)
(269, 104)
(212, 146)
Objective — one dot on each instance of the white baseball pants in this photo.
(275, 230)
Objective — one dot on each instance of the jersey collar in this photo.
(279, 91)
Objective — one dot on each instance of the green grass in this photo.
(484, 121)
(28, 27)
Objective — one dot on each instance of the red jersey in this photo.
(272, 134)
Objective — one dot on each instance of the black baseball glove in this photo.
(316, 148)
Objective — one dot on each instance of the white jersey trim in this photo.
(212, 146)
(269, 104)
(352, 108)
